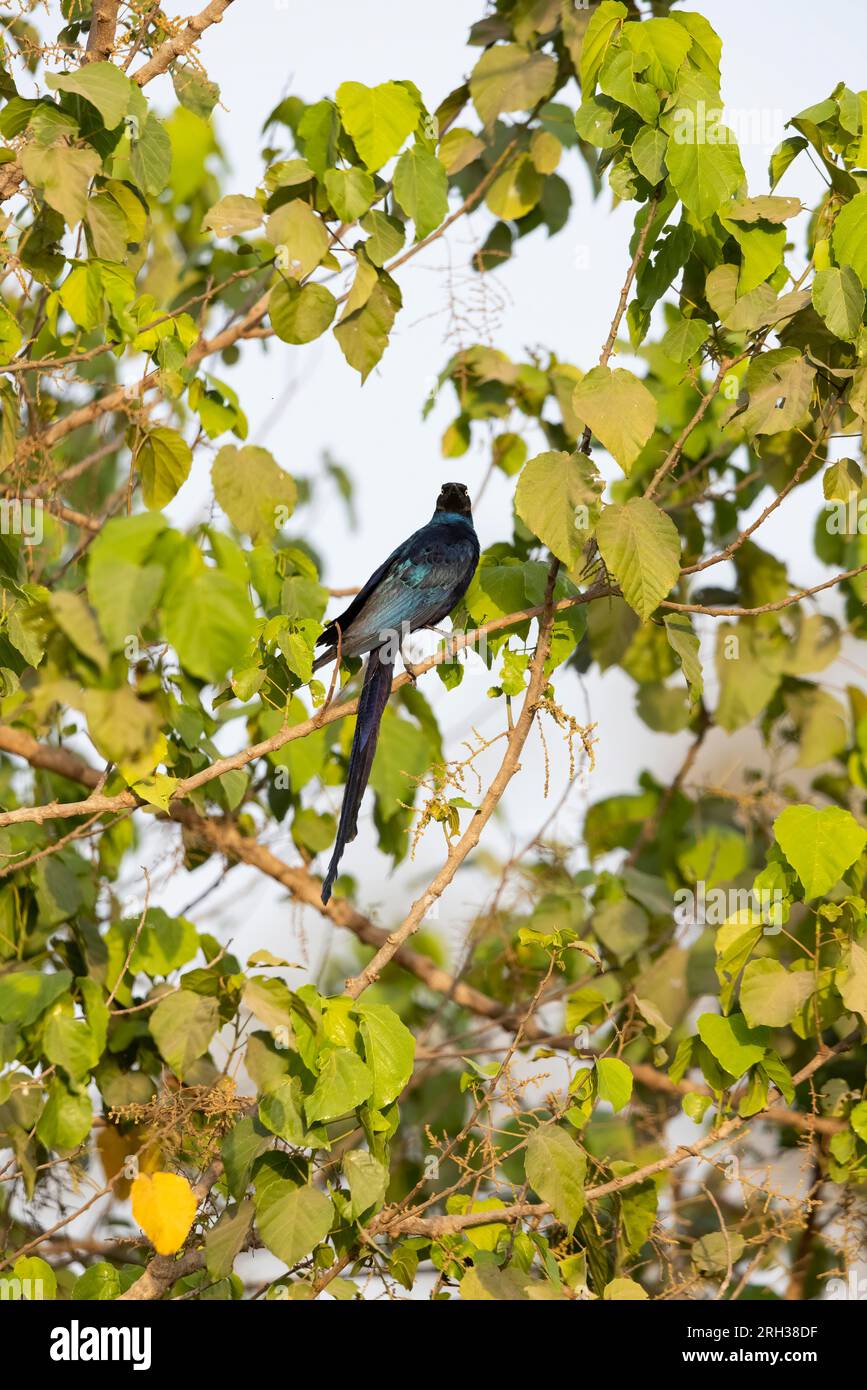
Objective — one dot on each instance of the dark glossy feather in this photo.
(417, 586)
(371, 704)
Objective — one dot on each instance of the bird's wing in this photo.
(328, 637)
(418, 589)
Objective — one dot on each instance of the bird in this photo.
(416, 587)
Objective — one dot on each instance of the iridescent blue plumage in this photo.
(416, 587)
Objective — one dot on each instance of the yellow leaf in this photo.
(164, 1207)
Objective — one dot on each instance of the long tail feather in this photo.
(378, 675)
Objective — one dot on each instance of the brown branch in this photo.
(103, 24)
(182, 42)
(729, 1131)
(743, 537)
(225, 838)
(676, 449)
(16, 741)
(765, 607)
(608, 345)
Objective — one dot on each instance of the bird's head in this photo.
(454, 497)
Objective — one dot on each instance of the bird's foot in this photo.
(412, 670)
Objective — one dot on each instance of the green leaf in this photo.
(734, 1045)
(421, 189)
(695, 1105)
(225, 1240)
(558, 499)
(10, 336)
(350, 192)
(377, 119)
(303, 234)
(648, 154)
(280, 1110)
(484, 1282)
(209, 622)
(233, 215)
(71, 1044)
(663, 44)
(782, 157)
(194, 91)
(623, 1291)
(684, 338)
(164, 460)
(25, 994)
(182, 1026)
(367, 1178)
(614, 1080)
(770, 994)
(165, 943)
(621, 926)
(516, 190)
(618, 79)
(292, 1220)
(820, 845)
(389, 1050)
(838, 297)
(64, 176)
(619, 410)
(849, 238)
(605, 21)
(779, 385)
(122, 727)
(66, 1119)
(509, 77)
(239, 1151)
(102, 84)
(107, 229)
(253, 490)
(555, 1168)
(703, 163)
(685, 645)
(458, 148)
(37, 1278)
(123, 595)
(75, 620)
(298, 315)
(151, 156)
(99, 1283)
(385, 236)
(641, 547)
(363, 330)
(713, 1253)
(343, 1083)
(763, 209)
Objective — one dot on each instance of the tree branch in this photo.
(728, 1131)
(181, 42)
(16, 741)
(103, 24)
